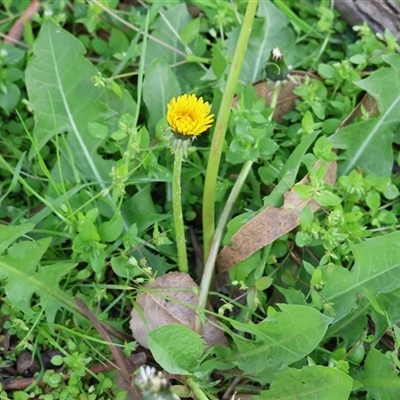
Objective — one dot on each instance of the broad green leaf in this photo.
(25, 277)
(380, 377)
(317, 382)
(167, 30)
(384, 86)
(176, 348)
(376, 270)
(281, 339)
(64, 98)
(9, 233)
(159, 86)
(368, 144)
(268, 32)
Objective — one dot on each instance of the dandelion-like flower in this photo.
(276, 69)
(188, 117)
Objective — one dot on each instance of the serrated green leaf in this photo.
(368, 144)
(64, 98)
(316, 381)
(25, 277)
(8, 234)
(376, 270)
(384, 86)
(168, 46)
(281, 339)
(379, 378)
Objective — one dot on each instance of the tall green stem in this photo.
(221, 126)
(177, 211)
(210, 263)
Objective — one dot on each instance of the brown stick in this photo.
(15, 33)
(122, 362)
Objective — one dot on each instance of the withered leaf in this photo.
(171, 299)
(269, 224)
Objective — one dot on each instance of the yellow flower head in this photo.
(189, 116)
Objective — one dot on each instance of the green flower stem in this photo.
(177, 211)
(210, 263)
(221, 126)
(194, 387)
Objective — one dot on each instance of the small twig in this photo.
(17, 29)
(122, 362)
(231, 388)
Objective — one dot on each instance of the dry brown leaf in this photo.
(164, 302)
(269, 225)
(286, 99)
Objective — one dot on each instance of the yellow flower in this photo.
(189, 116)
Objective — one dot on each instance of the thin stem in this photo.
(177, 211)
(208, 273)
(221, 126)
(210, 263)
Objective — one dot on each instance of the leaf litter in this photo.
(269, 224)
(171, 299)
